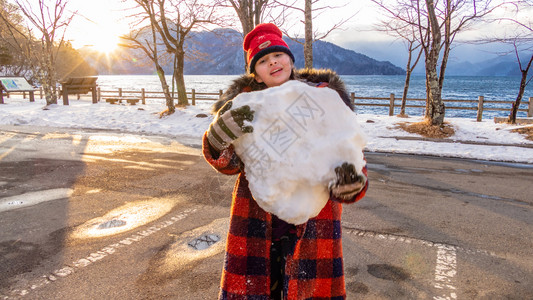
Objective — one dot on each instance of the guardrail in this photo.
(193, 95)
(392, 102)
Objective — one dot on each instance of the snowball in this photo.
(301, 133)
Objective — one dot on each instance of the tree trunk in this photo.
(47, 77)
(247, 26)
(169, 100)
(408, 72)
(447, 43)
(166, 91)
(405, 91)
(308, 45)
(249, 13)
(523, 82)
(435, 107)
(180, 81)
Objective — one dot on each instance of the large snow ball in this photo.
(301, 133)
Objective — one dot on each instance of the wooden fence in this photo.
(392, 102)
(143, 95)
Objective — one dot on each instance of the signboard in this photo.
(15, 84)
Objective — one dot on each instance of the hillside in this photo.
(499, 66)
(220, 53)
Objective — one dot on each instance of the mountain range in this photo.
(498, 66)
(219, 52)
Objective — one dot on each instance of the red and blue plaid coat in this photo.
(315, 268)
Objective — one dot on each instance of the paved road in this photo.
(107, 215)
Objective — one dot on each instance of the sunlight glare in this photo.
(99, 26)
(105, 43)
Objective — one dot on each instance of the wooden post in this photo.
(352, 98)
(41, 92)
(32, 96)
(98, 94)
(391, 105)
(23, 95)
(143, 96)
(65, 95)
(530, 108)
(193, 97)
(480, 101)
(1, 95)
(220, 93)
(94, 93)
(120, 92)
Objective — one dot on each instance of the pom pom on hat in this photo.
(264, 39)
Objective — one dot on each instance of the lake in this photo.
(455, 87)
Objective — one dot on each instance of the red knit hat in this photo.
(264, 39)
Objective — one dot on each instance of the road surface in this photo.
(107, 215)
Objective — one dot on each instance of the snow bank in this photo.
(301, 133)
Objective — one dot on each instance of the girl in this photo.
(267, 258)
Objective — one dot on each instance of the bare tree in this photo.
(437, 23)
(524, 81)
(173, 22)
(399, 23)
(146, 39)
(176, 20)
(412, 46)
(46, 23)
(250, 14)
(441, 21)
(520, 37)
(311, 11)
(12, 60)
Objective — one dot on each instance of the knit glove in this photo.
(348, 182)
(228, 125)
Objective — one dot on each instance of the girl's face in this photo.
(273, 69)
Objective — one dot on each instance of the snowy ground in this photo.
(478, 140)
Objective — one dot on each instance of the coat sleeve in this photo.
(225, 162)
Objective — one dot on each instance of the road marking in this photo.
(349, 229)
(446, 263)
(33, 198)
(445, 271)
(111, 249)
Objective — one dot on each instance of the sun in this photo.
(97, 38)
(105, 43)
(98, 26)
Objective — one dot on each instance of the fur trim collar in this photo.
(246, 83)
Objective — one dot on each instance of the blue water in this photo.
(455, 87)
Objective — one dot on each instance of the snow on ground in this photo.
(383, 136)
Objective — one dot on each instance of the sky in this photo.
(183, 126)
(100, 23)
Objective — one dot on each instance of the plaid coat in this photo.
(315, 268)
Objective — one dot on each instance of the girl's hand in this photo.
(228, 125)
(348, 183)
